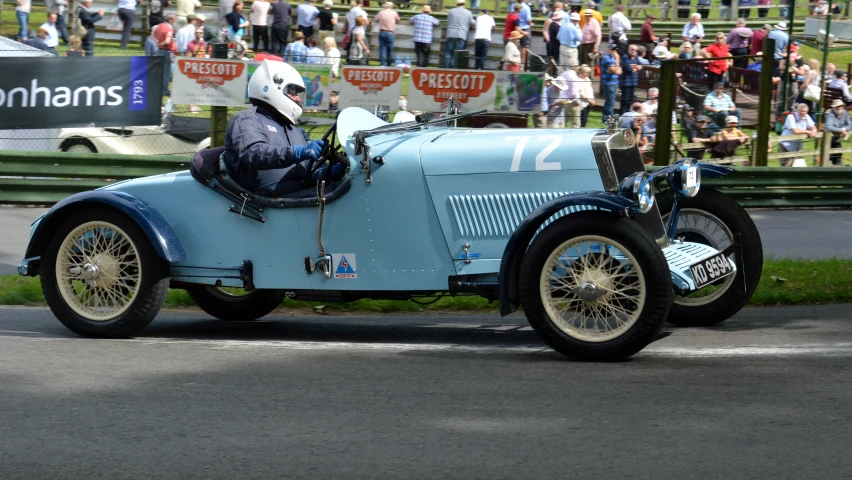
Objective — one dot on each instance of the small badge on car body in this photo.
(629, 139)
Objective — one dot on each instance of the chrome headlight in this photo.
(685, 177)
(640, 188)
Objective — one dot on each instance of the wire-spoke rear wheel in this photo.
(595, 286)
(101, 277)
(236, 304)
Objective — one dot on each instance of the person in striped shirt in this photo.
(423, 25)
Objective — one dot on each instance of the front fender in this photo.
(164, 240)
(513, 255)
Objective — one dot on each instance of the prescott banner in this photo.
(367, 87)
(56, 92)
(500, 92)
(209, 81)
(317, 78)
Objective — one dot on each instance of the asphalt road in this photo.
(785, 233)
(764, 396)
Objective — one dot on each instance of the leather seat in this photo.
(208, 168)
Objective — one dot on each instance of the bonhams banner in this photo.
(48, 92)
(367, 87)
(499, 92)
(209, 81)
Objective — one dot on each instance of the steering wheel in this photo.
(328, 154)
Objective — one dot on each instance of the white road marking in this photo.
(525, 329)
(501, 328)
(454, 325)
(654, 350)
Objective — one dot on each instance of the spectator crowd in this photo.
(581, 48)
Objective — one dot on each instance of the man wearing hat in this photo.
(661, 51)
(841, 82)
(705, 132)
(719, 105)
(551, 32)
(296, 50)
(591, 38)
(838, 123)
(553, 102)
(779, 34)
(423, 23)
(386, 20)
(459, 23)
(610, 73)
(187, 33)
(596, 14)
(570, 37)
(739, 41)
(646, 34)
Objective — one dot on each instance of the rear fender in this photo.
(158, 230)
(516, 248)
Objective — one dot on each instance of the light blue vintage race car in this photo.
(564, 223)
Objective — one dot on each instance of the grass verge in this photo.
(784, 282)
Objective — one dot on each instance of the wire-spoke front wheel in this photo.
(595, 286)
(101, 277)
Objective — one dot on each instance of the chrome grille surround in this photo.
(617, 160)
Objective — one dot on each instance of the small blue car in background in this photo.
(565, 224)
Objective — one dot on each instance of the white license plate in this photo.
(710, 269)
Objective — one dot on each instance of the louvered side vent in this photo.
(496, 216)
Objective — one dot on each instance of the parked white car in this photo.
(177, 135)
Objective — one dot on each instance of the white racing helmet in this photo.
(270, 84)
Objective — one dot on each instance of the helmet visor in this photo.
(292, 90)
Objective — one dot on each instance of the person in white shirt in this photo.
(259, 29)
(482, 38)
(618, 23)
(52, 39)
(306, 15)
(187, 33)
(798, 122)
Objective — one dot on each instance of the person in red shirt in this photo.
(757, 39)
(717, 68)
(164, 34)
(646, 35)
(513, 22)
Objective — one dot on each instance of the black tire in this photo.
(686, 312)
(78, 141)
(652, 267)
(236, 308)
(139, 312)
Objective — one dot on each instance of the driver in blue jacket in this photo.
(264, 150)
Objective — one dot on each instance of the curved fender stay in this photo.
(708, 170)
(164, 240)
(510, 266)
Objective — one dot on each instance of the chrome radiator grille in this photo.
(616, 161)
(496, 216)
